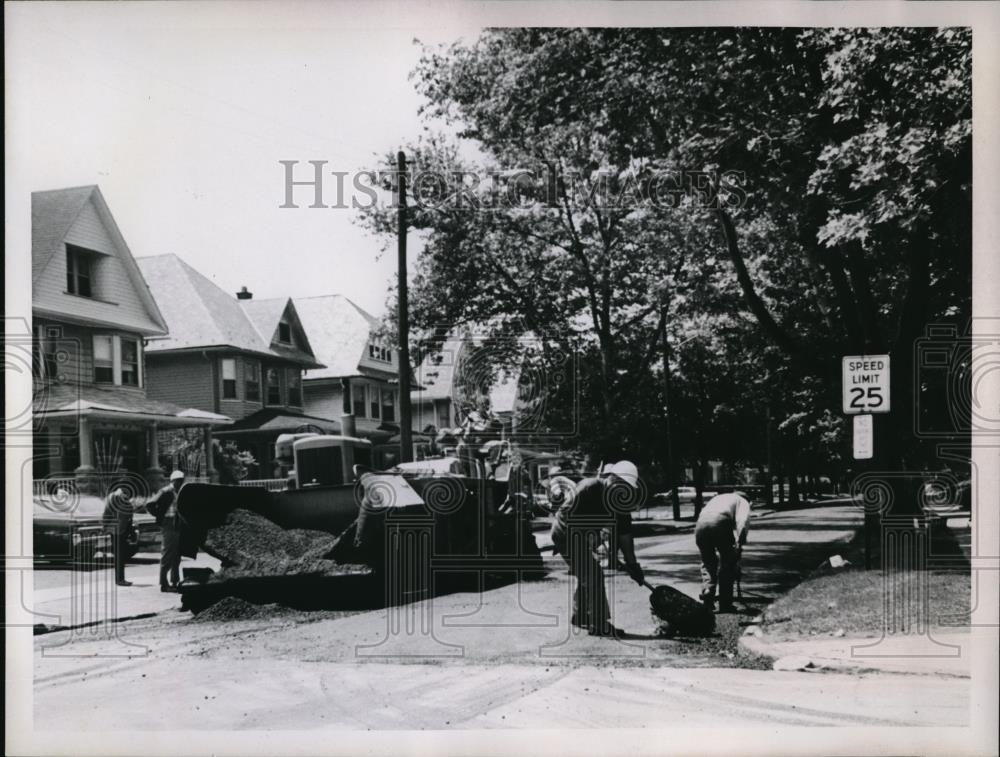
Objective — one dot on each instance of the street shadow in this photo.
(642, 529)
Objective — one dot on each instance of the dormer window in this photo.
(379, 352)
(284, 333)
(79, 271)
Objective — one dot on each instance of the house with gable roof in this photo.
(93, 317)
(360, 377)
(231, 354)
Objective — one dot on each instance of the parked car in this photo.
(70, 528)
(685, 495)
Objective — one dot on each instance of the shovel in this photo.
(678, 612)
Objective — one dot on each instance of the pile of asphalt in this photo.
(249, 545)
(235, 608)
(263, 563)
(246, 538)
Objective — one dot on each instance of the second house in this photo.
(231, 355)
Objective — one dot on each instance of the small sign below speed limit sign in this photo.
(866, 384)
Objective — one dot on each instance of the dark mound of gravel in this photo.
(246, 538)
(234, 608)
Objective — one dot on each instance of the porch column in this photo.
(209, 462)
(154, 473)
(86, 446)
(86, 475)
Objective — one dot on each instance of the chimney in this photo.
(244, 294)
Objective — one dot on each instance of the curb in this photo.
(759, 645)
(40, 629)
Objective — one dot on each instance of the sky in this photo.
(180, 113)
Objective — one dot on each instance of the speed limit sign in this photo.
(866, 384)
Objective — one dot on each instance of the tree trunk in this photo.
(699, 486)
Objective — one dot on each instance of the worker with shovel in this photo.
(576, 535)
(720, 533)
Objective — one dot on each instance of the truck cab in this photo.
(328, 460)
(310, 459)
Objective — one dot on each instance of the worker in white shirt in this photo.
(720, 534)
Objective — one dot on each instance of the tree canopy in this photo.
(742, 205)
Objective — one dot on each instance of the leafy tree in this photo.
(849, 232)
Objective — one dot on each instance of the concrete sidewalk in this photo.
(91, 597)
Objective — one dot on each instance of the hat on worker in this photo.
(176, 475)
(627, 472)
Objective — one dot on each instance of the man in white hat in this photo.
(164, 508)
(576, 534)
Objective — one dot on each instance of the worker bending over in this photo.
(720, 534)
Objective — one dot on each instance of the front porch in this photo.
(257, 433)
(88, 436)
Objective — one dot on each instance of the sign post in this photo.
(866, 391)
(863, 437)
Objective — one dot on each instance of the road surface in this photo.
(502, 659)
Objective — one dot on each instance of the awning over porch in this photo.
(115, 403)
(278, 421)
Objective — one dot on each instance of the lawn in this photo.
(853, 601)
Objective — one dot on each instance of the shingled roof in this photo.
(52, 214)
(200, 314)
(265, 315)
(338, 330)
(74, 399)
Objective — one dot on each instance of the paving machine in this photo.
(419, 528)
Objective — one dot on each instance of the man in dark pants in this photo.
(117, 521)
(576, 534)
(164, 508)
(720, 533)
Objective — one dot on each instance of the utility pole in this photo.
(405, 422)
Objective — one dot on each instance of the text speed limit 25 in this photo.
(866, 384)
